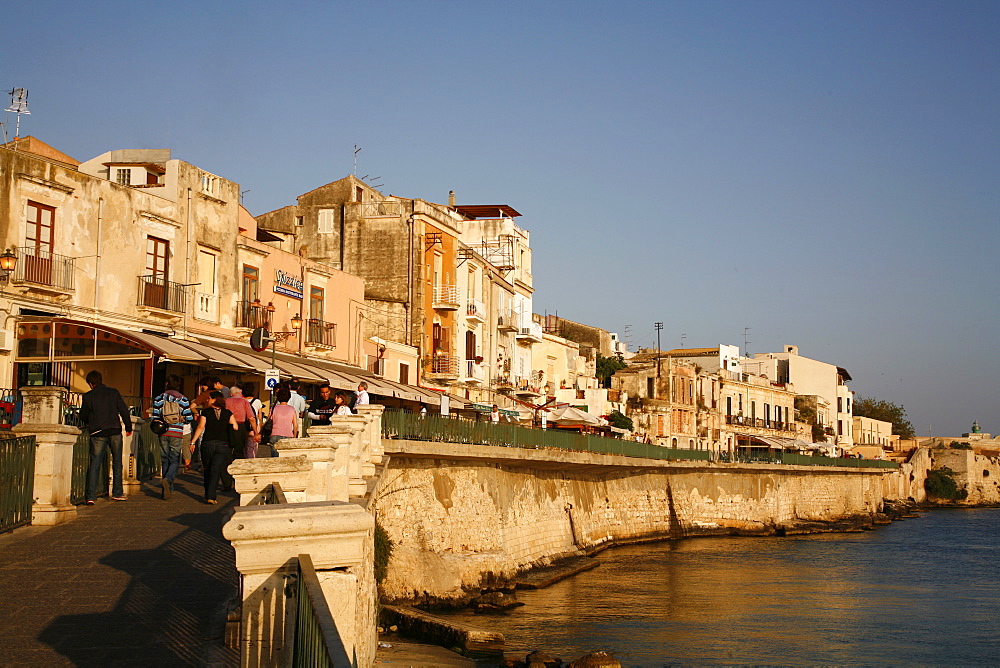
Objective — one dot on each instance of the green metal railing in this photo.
(852, 462)
(411, 426)
(81, 462)
(17, 478)
(314, 627)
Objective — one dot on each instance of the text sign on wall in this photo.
(288, 284)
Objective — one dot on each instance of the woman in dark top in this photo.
(219, 427)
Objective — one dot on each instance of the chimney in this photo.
(451, 198)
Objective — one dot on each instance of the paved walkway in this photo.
(144, 582)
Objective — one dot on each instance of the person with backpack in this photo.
(173, 409)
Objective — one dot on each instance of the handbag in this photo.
(158, 426)
(265, 431)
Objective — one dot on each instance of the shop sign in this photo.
(288, 284)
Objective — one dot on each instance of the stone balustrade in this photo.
(251, 476)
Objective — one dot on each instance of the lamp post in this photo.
(8, 262)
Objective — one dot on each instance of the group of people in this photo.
(220, 424)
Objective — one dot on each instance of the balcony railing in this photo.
(42, 267)
(759, 423)
(444, 365)
(527, 387)
(320, 333)
(530, 332)
(475, 310)
(446, 297)
(206, 307)
(251, 315)
(474, 372)
(508, 321)
(157, 292)
(376, 209)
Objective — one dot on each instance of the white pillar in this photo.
(330, 455)
(355, 427)
(53, 483)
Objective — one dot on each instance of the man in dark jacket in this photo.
(104, 412)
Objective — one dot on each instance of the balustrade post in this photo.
(330, 455)
(53, 483)
(355, 428)
(376, 451)
(252, 476)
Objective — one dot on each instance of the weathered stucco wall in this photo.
(460, 524)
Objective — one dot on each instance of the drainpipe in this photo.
(187, 263)
(97, 269)
(409, 277)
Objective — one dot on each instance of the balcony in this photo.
(321, 334)
(157, 292)
(526, 387)
(206, 307)
(251, 315)
(503, 384)
(759, 423)
(444, 367)
(532, 333)
(475, 373)
(508, 321)
(475, 311)
(40, 269)
(446, 298)
(381, 209)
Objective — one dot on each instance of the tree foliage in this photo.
(617, 419)
(886, 411)
(941, 484)
(606, 367)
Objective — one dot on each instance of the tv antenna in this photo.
(18, 105)
(746, 342)
(683, 336)
(628, 337)
(357, 149)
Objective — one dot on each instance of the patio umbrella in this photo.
(567, 416)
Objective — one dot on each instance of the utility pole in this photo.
(659, 327)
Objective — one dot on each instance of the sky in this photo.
(823, 174)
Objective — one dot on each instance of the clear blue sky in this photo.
(824, 173)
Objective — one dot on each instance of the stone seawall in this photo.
(466, 517)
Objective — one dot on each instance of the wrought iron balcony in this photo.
(474, 372)
(446, 298)
(508, 321)
(531, 333)
(475, 310)
(445, 366)
(251, 315)
(320, 333)
(157, 292)
(41, 267)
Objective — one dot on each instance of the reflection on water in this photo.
(923, 591)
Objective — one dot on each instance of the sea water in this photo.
(922, 591)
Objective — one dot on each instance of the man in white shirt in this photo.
(297, 401)
(362, 399)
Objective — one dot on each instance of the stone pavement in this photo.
(143, 582)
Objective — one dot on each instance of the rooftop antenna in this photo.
(242, 193)
(659, 327)
(628, 337)
(683, 336)
(18, 105)
(357, 149)
(746, 342)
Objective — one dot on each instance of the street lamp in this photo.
(8, 261)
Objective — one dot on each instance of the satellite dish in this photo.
(259, 339)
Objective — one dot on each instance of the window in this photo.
(315, 303)
(158, 257)
(251, 283)
(729, 405)
(840, 406)
(767, 414)
(40, 223)
(359, 194)
(404, 373)
(208, 183)
(299, 221)
(327, 220)
(206, 272)
(470, 345)
(123, 175)
(650, 387)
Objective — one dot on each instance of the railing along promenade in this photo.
(412, 426)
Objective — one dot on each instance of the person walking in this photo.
(219, 387)
(321, 409)
(243, 412)
(174, 409)
(217, 428)
(257, 406)
(284, 421)
(296, 401)
(104, 412)
(202, 400)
